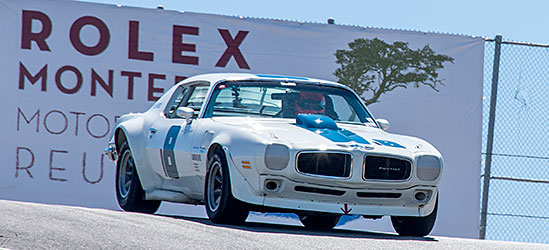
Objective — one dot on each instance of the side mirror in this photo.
(185, 112)
(384, 124)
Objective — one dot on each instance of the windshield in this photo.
(285, 100)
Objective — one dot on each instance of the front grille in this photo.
(385, 168)
(318, 190)
(378, 195)
(325, 164)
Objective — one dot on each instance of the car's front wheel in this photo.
(129, 193)
(415, 226)
(221, 206)
(319, 221)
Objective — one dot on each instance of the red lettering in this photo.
(178, 46)
(77, 114)
(131, 75)
(152, 89)
(28, 121)
(60, 84)
(84, 170)
(232, 49)
(52, 168)
(104, 35)
(41, 75)
(65, 121)
(133, 44)
(179, 78)
(106, 122)
(18, 165)
(70, 80)
(95, 78)
(39, 37)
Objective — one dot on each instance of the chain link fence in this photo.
(515, 178)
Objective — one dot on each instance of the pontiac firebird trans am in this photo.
(242, 142)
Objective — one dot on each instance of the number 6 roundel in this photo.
(168, 154)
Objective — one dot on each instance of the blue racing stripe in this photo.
(354, 136)
(284, 77)
(340, 135)
(326, 127)
(388, 143)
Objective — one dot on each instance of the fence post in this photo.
(490, 139)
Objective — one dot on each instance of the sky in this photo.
(524, 21)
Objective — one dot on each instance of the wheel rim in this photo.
(215, 185)
(125, 174)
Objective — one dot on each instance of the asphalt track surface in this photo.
(37, 226)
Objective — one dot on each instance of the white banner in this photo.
(70, 69)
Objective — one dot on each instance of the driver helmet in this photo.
(310, 103)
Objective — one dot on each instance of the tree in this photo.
(372, 65)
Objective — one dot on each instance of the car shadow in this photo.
(262, 227)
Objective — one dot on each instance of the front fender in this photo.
(135, 131)
(242, 187)
(240, 151)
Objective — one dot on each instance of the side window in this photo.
(197, 97)
(189, 96)
(175, 100)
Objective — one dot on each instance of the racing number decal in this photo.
(167, 152)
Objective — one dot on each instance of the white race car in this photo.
(243, 142)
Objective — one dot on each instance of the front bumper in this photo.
(337, 200)
(110, 152)
(302, 193)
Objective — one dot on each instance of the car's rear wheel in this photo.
(415, 226)
(221, 206)
(129, 193)
(319, 221)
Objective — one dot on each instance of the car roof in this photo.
(217, 77)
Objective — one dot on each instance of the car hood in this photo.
(305, 134)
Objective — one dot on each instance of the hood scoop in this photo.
(311, 121)
(326, 127)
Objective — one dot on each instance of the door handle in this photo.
(152, 132)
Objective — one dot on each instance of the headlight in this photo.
(428, 167)
(277, 156)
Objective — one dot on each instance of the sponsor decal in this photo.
(196, 157)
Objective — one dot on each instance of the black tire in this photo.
(415, 226)
(129, 193)
(319, 221)
(221, 206)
